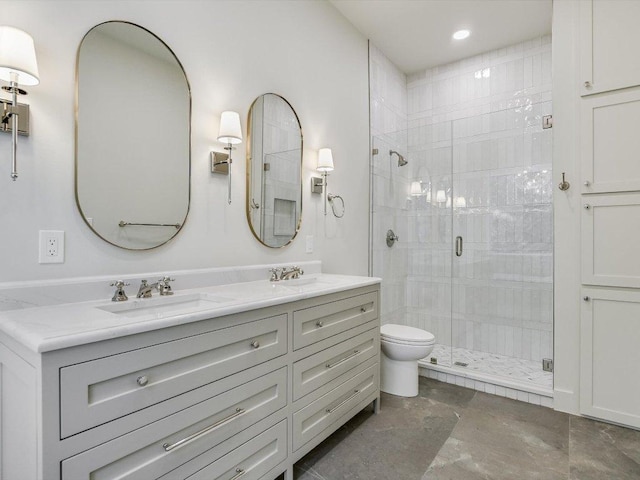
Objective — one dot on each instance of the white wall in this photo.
(232, 52)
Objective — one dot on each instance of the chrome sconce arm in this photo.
(18, 65)
(231, 134)
(325, 165)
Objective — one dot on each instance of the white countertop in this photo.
(48, 328)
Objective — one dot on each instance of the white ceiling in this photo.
(416, 34)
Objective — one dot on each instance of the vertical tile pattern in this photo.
(388, 97)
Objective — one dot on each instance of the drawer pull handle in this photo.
(142, 380)
(239, 473)
(319, 324)
(363, 309)
(170, 446)
(255, 344)
(342, 360)
(354, 394)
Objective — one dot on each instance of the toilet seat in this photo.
(405, 335)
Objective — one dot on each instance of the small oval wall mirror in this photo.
(133, 147)
(274, 171)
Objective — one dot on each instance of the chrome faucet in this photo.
(162, 285)
(291, 272)
(285, 273)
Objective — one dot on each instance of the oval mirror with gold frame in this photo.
(274, 171)
(133, 136)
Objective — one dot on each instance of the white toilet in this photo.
(402, 347)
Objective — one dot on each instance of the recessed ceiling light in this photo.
(461, 34)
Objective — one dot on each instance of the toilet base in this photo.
(398, 377)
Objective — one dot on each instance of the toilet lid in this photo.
(405, 334)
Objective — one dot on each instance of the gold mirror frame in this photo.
(249, 166)
(179, 226)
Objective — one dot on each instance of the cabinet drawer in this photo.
(314, 371)
(251, 460)
(328, 409)
(313, 324)
(166, 444)
(98, 391)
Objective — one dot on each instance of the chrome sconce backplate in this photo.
(220, 163)
(23, 117)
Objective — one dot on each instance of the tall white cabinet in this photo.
(610, 221)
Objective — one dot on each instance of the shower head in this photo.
(401, 161)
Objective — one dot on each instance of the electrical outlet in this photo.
(51, 246)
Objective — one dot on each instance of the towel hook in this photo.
(564, 185)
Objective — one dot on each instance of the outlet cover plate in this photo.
(51, 246)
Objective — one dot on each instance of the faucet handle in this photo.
(119, 295)
(275, 274)
(164, 287)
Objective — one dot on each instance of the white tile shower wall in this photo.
(484, 115)
(390, 184)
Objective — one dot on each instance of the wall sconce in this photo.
(231, 134)
(325, 165)
(18, 66)
(416, 189)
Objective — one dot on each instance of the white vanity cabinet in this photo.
(239, 396)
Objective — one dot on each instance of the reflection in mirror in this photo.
(274, 171)
(132, 136)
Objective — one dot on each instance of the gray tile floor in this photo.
(453, 433)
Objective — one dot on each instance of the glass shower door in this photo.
(502, 244)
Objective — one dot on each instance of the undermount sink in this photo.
(161, 307)
(294, 282)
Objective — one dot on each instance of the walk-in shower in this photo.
(472, 210)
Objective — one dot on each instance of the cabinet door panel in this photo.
(610, 335)
(317, 323)
(328, 411)
(98, 391)
(610, 143)
(208, 428)
(317, 370)
(251, 460)
(610, 247)
(609, 35)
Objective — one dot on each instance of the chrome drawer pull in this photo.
(239, 473)
(331, 365)
(363, 309)
(319, 324)
(255, 344)
(142, 380)
(331, 410)
(168, 446)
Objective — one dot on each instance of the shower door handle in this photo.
(458, 246)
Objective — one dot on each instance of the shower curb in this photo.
(490, 384)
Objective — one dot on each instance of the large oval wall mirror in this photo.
(274, 171)
(133, 111)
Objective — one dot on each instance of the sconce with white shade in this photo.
(18, 66)
(230, 133)
(324, 166)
